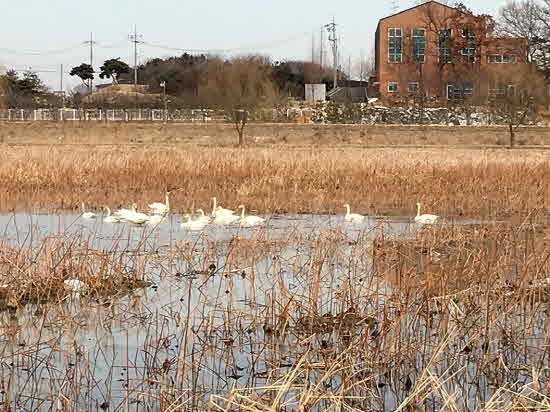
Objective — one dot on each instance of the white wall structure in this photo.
(316, 92)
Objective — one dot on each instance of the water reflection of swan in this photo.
(110, 218)
(249, 220)
(352, 217)
(426, 218)
(218, 210)
(161, 208)
(86, 215)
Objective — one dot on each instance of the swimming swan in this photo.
(426, 219)
(86, 215)
(202, 217)
(110, 218)
(249, 220)
(161, 208)
(191, 224)
(218, 210)
(352, 217)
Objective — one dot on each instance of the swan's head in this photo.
(417, 204)
(186, 217)
(240, 207)
(200, 211)
(346, 205)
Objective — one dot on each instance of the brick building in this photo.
(442, 52)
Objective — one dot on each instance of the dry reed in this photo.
(471, 183)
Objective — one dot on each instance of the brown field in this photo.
(451, 182)
(216, 134)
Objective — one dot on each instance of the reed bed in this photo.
(448, 317)
(450, 182)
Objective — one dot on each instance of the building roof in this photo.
(415, 7)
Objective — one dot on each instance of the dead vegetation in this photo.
(496, 184)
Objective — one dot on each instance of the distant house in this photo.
(440, 51)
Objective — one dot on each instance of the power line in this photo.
(331, 28)
(38, 53)
(135, 38)
(91, 42)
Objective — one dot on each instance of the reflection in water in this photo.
(229, 307)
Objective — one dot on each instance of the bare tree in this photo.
(529, 20)
(516, 96)
(240, 86)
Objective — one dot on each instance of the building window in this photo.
(418, 45)
(469, 54)
(468, 33)
(392, 87)
(394, 45)
(500, 90)
(460, 91)
(501, 58)
(445, 45)
(414, 87)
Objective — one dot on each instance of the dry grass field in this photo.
(223, 134)
(452, 182)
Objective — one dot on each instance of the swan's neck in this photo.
(200, 212)
(83, 208)
(215, 204)
(108, 211)
(347, 210)
(418, 209)
(167, 199)
(242, 212)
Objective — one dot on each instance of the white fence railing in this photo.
(182, 115)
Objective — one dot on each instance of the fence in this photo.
(183, 115)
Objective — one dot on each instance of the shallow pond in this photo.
(211, 319)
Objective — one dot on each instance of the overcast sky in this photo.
(45, 34)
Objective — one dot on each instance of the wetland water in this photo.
(225, 308)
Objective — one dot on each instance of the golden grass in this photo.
(497, 183)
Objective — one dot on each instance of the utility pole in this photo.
(331, 28)
(135, 38)
(91, 42)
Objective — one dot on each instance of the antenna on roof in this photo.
(394, 6)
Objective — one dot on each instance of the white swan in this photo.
(249, 220)
(426, 218)
(161, 208)
(86, 215)
(155, 219)
(110, 218)
(135, 217)
(218, 210)
(192, 224)
(225, 219)
(121, 213)
(352, 217)
(202, 217)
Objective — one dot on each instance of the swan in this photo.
(352, 217)
(202, 217)
(426, 218)
(121, 213)
(86, 215)
(249, 220)
(134, 217)
(218, 210)
(225, 219)
(110, 218)
(161, 208)
(192, 224)
(155, 219)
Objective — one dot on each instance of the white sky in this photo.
(45, 34)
